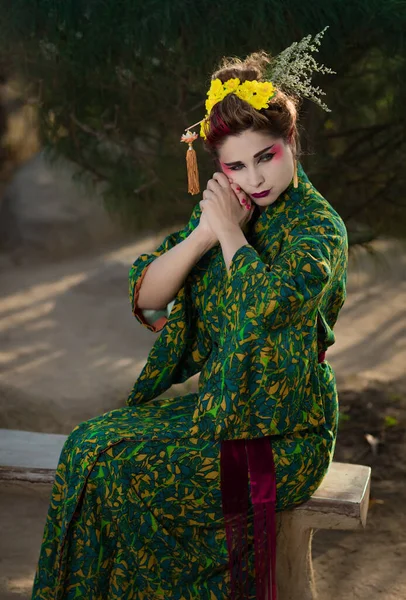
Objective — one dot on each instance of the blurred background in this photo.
(94, 96)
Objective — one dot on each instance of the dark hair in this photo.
(232, 115)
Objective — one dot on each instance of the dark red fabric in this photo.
(238, 458)
(263, 494)
(234, 491)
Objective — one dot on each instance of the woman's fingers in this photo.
(214, 185)
(242, 197)
(221, 179)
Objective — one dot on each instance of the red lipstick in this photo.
(261, 194)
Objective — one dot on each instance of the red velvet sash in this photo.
(237, 459)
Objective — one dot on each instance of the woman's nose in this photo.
(255, 178)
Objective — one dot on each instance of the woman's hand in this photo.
(205, 232)
(224, 206)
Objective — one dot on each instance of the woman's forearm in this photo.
(231, 240)
(166, 274)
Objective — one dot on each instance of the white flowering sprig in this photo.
(292, 69)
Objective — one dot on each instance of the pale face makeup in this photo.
(258, 162)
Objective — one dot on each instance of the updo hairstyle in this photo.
(232, 115)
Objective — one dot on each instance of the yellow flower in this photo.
(216, 93)
(216, 87)
(256, 93)
(231, 85)
(203, 128)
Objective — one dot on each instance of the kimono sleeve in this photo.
(155, 320)
(277, 293)
(153, 317)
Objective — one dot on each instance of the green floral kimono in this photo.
(136, 507)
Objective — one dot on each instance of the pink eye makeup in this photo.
(277, 151)
(225, 168)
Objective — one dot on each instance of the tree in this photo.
(118, 81)
(18, 133)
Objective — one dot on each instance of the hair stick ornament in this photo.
(191, 162)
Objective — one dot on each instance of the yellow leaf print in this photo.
(273, 389)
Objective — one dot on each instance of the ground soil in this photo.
(371, 563)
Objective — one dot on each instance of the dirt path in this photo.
(70, 349)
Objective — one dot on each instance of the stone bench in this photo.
(29, 456)
(341, 502)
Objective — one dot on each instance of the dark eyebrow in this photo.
(237, 162)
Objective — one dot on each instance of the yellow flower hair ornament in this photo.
(256, 93)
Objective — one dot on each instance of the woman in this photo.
(175, 497)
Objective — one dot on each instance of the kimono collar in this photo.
(290, 194)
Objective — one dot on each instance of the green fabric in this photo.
(135, 510)
(254, 334)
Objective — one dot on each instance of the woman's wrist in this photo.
(200, 241)
(231, 240)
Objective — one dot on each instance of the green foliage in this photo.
(117, 81)
(292, 70)
(390, 421)
(343, 417)
(396, 397)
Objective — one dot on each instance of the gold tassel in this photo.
(191, 163)
(192, 171)
(295, 179)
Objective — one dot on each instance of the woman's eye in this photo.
(267, 156)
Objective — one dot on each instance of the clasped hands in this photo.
(225, 207)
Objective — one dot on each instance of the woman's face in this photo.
(257, 162)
